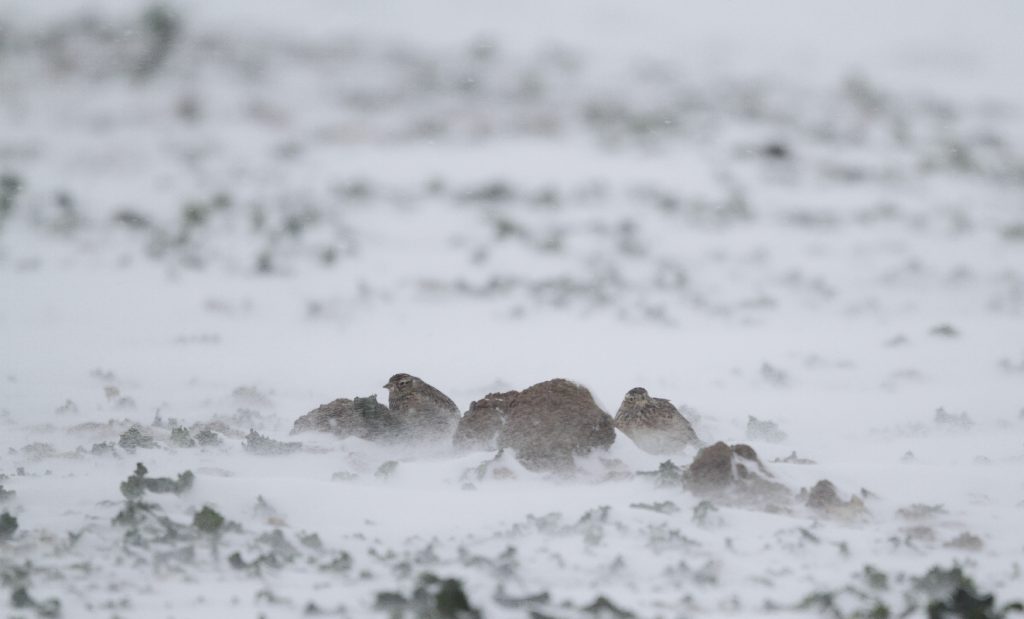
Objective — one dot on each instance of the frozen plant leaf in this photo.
(442, 598)
(524, 601)
(966, 541)
(661, 507)
(180, 437)
(137, 483)
(261, 445)
(133, 438)
(20, 598)
(386, 470)
(706, 514)
(875, 578)
(133, 487)
(311, 540)
(920, 511)
(668, 474)
(340, 563)
(792, 458)
(452, 600)
(603, 607)
(102, 449)
(8, 525)
(390, 601)
(161, 485)
(208, 520)
(961, 421)
(208, 438)
(134, 513)
(944, 330)
(765, 430)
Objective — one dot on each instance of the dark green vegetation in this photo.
(8, 525)
(941, 593)
(10, 185)
(21, 599)
(208, 520)
(133, 439)
(256, 443)
(137, 483)
(432, 598)
(181, 437)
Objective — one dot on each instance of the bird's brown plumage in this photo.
(654, 424)
(426, 413)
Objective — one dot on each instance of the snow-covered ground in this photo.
(225, 214)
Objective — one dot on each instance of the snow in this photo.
(488, 197)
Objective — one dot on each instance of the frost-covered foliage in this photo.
(800, 226)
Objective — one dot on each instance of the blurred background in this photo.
(697, 195)
(801, 222)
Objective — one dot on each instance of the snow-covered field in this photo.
(222, 215)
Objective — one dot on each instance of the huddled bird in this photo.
(479, 427)
(654, 424)
(546, 424)
(551, 422)
(427, 415)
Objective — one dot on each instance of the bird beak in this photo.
(388, 386)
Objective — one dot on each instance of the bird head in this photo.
(636, 395)
(400, 382)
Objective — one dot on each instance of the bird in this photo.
(654, 424)
(427, 414)
(479, 427)
(551, 422)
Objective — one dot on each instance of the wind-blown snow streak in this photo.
(216, 217)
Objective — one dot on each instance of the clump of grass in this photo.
(941, 593)
(705, 514)
(208, 438)
(966, 541)
(162, 28)
(386, 470)
(20, 598)
(181, 437)
(944, 330)
(8, 526)
(132, 220)
(102, 449)
(962, 421)
(1014, 232)
(668, 474)
(137, 483)
(259, 444)
(208, 520)
(438, 598)
(766, 430)
(661, 507)
(10, 187)
(920, 511)
(133, 438)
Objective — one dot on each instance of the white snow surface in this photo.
(804, 212)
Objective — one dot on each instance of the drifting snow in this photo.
(214, 220)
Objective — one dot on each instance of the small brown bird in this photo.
(426, 413)
(479, 427)
(654, 424)
(551, 422)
